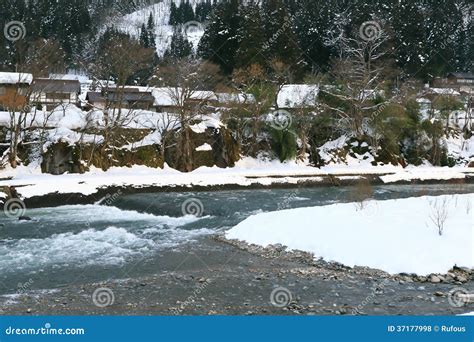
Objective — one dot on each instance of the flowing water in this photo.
(138, 235)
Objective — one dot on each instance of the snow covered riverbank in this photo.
(31, 182)
(396, 236)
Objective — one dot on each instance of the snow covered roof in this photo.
(465, 75)
(443, 91)
(298, 96)
(230, 98)
(15, 78)
(47, 85)
(166, 96)
(71, 77)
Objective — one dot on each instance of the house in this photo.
(126, 98)
(460, 79)
(48, 93)
(234, 99)
(297, 96)
(14, 89)
(168, 99)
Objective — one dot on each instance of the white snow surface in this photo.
(15, 78)
(298, 96)
(396, 236)
(132, 23)
(31, 182)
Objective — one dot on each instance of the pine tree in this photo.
(144, 38)
(281, 40)
(180, 47)
(173, 14)
(221, 41)
(151, 31)
(251, 36)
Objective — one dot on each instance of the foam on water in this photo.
(95, 213)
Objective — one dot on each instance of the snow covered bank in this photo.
(397, 236)
(30, 182)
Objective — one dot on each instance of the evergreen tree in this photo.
(144, 37)
(251, 37)
(180, 47)
(282, 43)
(151, 31)
(173, 14)
(221, 40)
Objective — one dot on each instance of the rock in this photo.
(435, 279)
(439, 294)
(461, 278)
(25, 218)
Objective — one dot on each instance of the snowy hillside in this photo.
(131, 24)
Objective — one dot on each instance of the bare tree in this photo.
(361, 193)
(120, 59)
(185, 81)
(439, 213)
(360, 73)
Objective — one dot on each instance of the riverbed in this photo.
(157, 249)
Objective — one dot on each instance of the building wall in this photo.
(10, 98)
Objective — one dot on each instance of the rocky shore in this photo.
(233, 278)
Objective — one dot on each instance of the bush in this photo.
(283, 143)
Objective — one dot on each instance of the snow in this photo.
(204, 148)
(425, 173)
(15, 78)
(31, 182)
(298, 96)
(396, 236)
(131, 24)
(444, 91)
(168, 96)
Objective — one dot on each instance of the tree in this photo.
(144, 37)
(121, 59)
(361, 74)
(183, 78)
(251, 37)
(220, 41)
(282, 43)
(180, 47)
